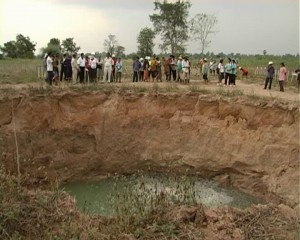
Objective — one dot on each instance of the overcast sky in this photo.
(245, 26)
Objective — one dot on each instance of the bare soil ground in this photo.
(253, 89)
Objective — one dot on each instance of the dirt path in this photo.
(253, 89)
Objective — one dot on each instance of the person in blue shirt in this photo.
(136, 68)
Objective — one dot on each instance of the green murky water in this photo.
(95, 197)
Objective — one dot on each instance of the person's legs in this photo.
(109, 72)
(270, 83)
(226, 79)
(233, 79)
(266, 82)
(50, 77)
(105, 74)
(281, 85)
(174, 75)
(74, 75)
(62, 71)
(81, 74)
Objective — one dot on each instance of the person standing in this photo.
(62, 68)
(55, 69)
(201, 61)
(93, 70)
(153, 68)
(146, 67)
(179, 69)
(81, 63)
(108, 63)
(136, 68)
(233, 73)
(221, 70)
(119, 68)
(68, 68)
(158, 70)
(228, 71)
(141, 72)
(270, 75)
(186, 68)
(74, 68)
(166, 68)
(113, 70)
(173, 67)
(205, 69)
(87, 69)
(50, 68)
(297, 71)
(99, 68)
(282, 76)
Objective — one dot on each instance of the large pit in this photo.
(251, 144)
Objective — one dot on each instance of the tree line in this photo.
(170, 21)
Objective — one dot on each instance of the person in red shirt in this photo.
(244, 71)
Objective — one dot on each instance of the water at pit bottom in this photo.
(94, 197)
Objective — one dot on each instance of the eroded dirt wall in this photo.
(70, 136)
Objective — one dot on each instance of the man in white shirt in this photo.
(49, 63)
(81, 63)
(186, 70)
(93, 64)
(108, 63)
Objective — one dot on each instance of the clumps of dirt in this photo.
(258, 222)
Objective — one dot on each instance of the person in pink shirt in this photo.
(282, 76)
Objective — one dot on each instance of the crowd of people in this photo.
(91, 69)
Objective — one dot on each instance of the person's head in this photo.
(204, 60)
(233, 60)
(136, 58)
(113, 56)
(49, 54)
(119, 59)
(74, 55)
(82, 55)
(221, 60)
(64, 55)
(229, 60)
(270, 63)
(108, 54)
(282, 64)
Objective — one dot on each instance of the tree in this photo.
(120, 51)
(10, 49)
(265, 52)
(69, 46)
(201, 27)
(145, 42)
(110, 44)
(171, 24)
(22, 48)
(53, 46)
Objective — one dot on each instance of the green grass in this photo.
(19, 70)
